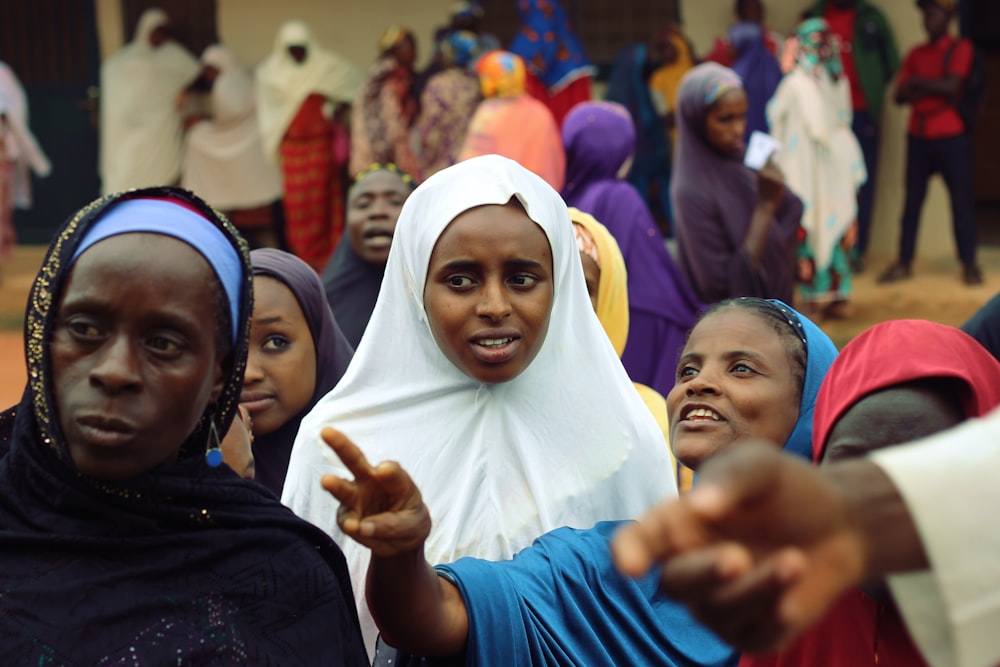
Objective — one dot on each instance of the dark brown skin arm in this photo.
(888, 531)
(765, 543)
(381, 508)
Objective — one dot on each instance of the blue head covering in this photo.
(460, 47)
(159, 216)
(820, 353)
(547, 45)
(758, 69)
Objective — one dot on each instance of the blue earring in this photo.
(213, 455)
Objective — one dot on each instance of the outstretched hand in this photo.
(758, 550)
(381, 508)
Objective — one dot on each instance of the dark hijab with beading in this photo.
(186, 563)
(333, 353)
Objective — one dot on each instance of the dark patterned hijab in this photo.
(333, 354)
(186, 563)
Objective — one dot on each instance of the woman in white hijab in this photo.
(141, 121)
(224, 161)
(562, 439)
(301, 88)
(19, 152)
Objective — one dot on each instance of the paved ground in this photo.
(934, 293)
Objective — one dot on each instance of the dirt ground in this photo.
(934, 293)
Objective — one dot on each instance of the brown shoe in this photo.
(895, 273)
(972, 275)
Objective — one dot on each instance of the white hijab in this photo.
(283, 84)
(20, 145)
(141, 126)
(224, 160)
(810, 114)
(567, 442)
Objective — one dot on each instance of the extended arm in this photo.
(764, 544)
(415, 609)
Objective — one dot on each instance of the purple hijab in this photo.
(758, 69)
(714, 197)
(599, 137)
(333, 354)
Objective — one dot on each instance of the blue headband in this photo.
(163, 217)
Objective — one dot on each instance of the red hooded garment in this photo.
(858, 631)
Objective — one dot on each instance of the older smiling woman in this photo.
(751, 368)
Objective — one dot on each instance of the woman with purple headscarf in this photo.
(736, 230)
(297, 354)
(599, 138)
(758, 69)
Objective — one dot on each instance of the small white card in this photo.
(761, 147)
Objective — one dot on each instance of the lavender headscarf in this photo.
(598, 138)
(714, 196)
(333, 354)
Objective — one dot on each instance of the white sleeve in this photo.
(951, 485)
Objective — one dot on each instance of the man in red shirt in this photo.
(931, 81)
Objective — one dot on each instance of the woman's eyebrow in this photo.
(524, 263)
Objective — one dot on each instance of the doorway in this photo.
(52, 47)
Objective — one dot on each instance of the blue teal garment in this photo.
(820, 353)
(628, 85)
(563, 602)
(549, 48)
(833, 282)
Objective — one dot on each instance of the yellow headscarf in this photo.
(612, 311)
(667, 79)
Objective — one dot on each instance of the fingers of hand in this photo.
(344, 490)
(397, 484)
(742, 476)
(391, 532)
(829, 574)
(348, 453)
(632, 554)
(744, 609)
(690, 577)
(663, 531)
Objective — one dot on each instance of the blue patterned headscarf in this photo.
(549, 48)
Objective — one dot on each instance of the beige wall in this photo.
(704, 19)
(351, 29)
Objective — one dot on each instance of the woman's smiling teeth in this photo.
(494, 342)
(703, 413)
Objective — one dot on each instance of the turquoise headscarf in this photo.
(820, 353)
(810, 44)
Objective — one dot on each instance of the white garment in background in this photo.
(283, 84)
(224, 161)
(20, 145)
(567, 442)
(810, 114)
(950, 485)
(141, 125)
